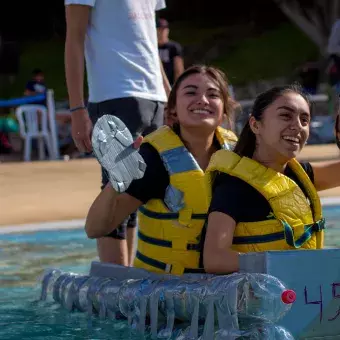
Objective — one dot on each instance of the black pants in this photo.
(141, 116)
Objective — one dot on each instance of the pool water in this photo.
(23, 258)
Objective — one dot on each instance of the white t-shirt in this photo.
(121, 49)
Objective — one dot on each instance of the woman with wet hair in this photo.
(173, 195)
(263, 198)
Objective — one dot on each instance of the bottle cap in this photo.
(288, 296)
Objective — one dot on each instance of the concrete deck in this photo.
(37, 192)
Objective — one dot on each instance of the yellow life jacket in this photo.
(169, 230)
(296, 221)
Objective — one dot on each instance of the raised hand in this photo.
(115, 150)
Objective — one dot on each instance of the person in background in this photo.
(118, 40)
(333, 50)
(170, 52)
(36, 86)
(309, 77)
(5, 145)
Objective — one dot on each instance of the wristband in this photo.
(78, 108)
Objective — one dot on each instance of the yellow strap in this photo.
(320, 237)
(163, 139)
(224, 135)
(184, 217)
(309, 187)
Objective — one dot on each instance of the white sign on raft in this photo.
(314, 275)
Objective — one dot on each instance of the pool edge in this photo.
(52, 225)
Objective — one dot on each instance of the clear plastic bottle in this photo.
(226, 298)
(239, 302)
(48, 279)
(264, 296)
(106, 299)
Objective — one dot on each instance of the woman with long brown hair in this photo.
(173, 195)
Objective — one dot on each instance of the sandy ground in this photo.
(47, 191)
(50, 191)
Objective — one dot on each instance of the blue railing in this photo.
(22, 100)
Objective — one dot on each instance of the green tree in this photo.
(314, 17)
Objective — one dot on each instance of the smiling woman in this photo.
(263, 198)
(173, 196)
(286, 103)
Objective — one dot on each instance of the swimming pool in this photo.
(23, 257)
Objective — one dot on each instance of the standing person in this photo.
(125, 78)
(170, 52)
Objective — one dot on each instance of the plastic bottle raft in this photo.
(192, 306)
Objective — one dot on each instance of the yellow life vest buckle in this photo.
(166, 267)
(309, 230)
(185, 216)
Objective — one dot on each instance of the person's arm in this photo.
(166, 83)
(178, 62)
(28, 92)
(326, 175)
(159, 5)
(108, 211)
(110, 208)
(77, 19)
(334, 39)
(178, 67)
(224, 213)
(218, 258)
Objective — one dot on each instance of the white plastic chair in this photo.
(32, 120)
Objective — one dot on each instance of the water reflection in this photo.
(23, 258)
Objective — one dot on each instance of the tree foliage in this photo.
(314, 17)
